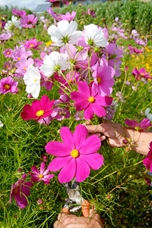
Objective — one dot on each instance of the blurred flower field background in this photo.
(119, 188)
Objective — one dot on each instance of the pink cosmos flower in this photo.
(75, 155)
(148, 159)
(20, 191)
(41, 175)
(5, 36)
(134, 50)
(8, 85)
(19, 13)
(8, 52)
(38, 110)
(91, 12)
(57, 17)
(103, 78)
(20, 53)
(32, 44)
(28, 21)
(143, 125)
(89, 101)
(68, 16)
(22, 66)
(114, 55)
(141, 73)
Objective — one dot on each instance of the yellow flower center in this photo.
(31, 45)
(91, 99)
(6, 86)
(142, 74)
(99, 80)
(40, 176)
(74, 153)
(40, 113)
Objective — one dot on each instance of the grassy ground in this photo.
(118, 190)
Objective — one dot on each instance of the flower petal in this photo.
(82, 171)
(67, 137)
(68, 172)
(79, 135)
(91, 145)
(95, 161)
(57, 148)
(57, 163)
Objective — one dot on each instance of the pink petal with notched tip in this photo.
(68, 171)
(82, 170)
(57, 149)
(98, 110)
(91, 145)
(84, 89)
(95, 161)
(57, 163)
(21, 200)
(67, 136)
(80, 134)
(88, 113)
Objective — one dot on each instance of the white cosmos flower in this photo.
(148, 114)
(94, 36)
(32, 80)
(15, 21)
(54, 62)
(64, 33)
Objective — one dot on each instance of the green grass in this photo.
(118, 190)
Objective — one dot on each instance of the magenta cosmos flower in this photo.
(32, 44)
(8, 85)
(75, 155)
(141, 73)
(28, 21)
(148, 159)
(20, 191)
(39, 109)
(143, 125)
(86, 99)
(41, 175)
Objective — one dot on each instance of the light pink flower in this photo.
(22, 66)
(41, 175)
(8, 85)
(103, 79)
(143, 125)
(68, 16)
(148, 159)
(28, 21)
(39, 109)
(20, 191)
(89, 101)
(75, 155)
(5, 36)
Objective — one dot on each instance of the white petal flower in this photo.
(148, 114)
(9, 25)
(64, 33)
(94, 36)
(32, 80)
(54, 62)
(1, 124)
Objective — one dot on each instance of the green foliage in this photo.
(118, 190)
